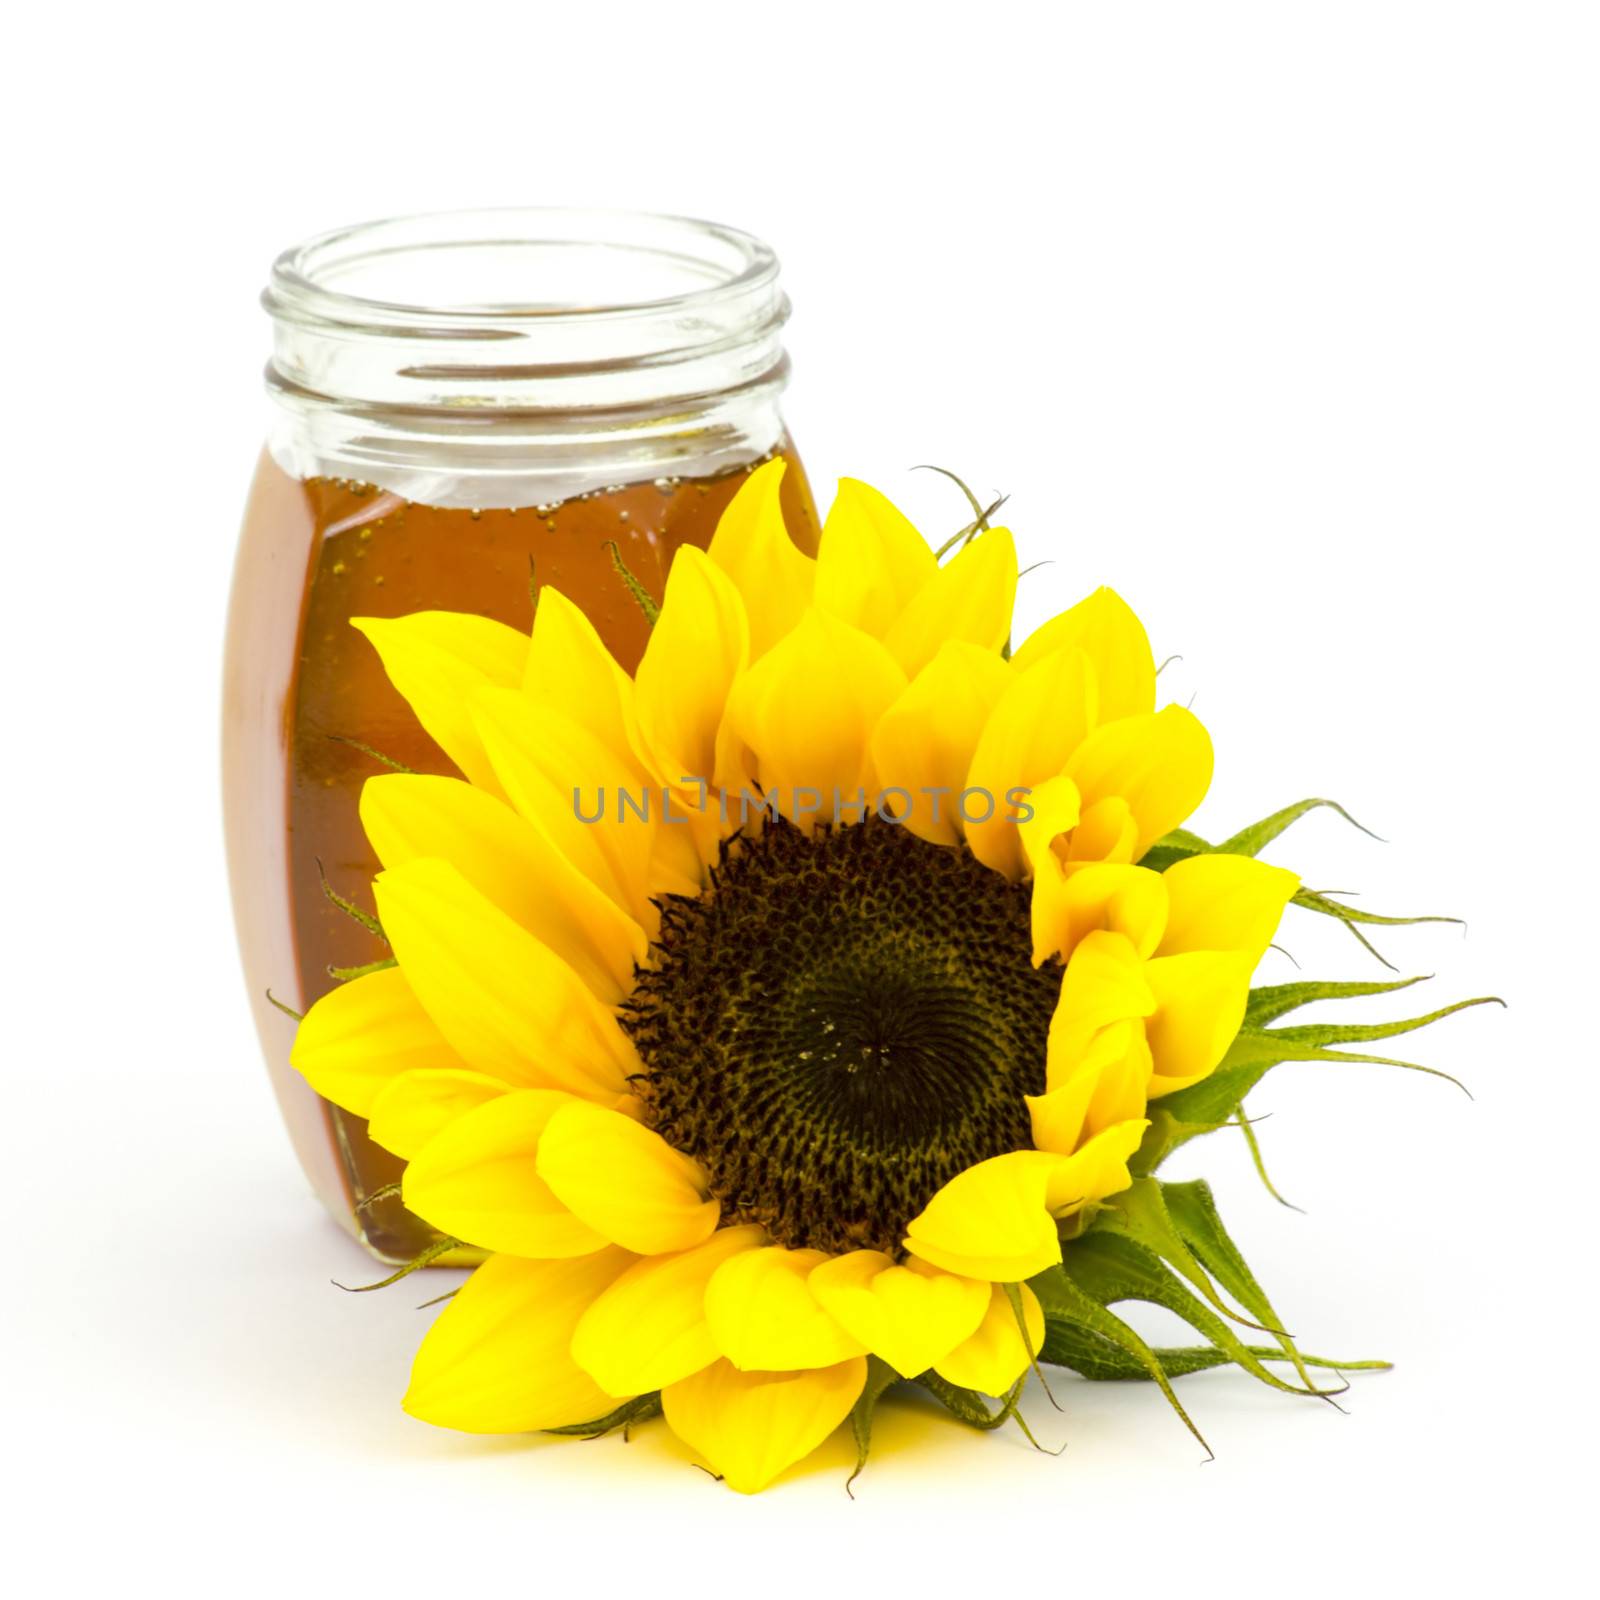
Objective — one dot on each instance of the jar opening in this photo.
(452, 269)
(463, 353)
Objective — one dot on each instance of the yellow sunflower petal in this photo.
(1055, 807)
(1107, 831)
(923, 743)
(1038, 722)
(358, 1038)
(477, 1181)
(649, 1329)
(912, 1316)
(509, 1006)
(680, 852)
(625, 1180)
(1095, 1170)
(699, 645)
(1224, 902)
(807, 709)
(572, 783)
(570, 671)
(969, 598)
(1103, 1085)
(1106, 981)
(510, 862)
(993, 1220)
(1070, 904)
(1160, 764)
(438, 660)
(1058, 1115)
(1200, 1001)
(417, 1105)
(542, 797)
(1105, 628)
(753, 547)
(996, 1355)
(764, 1316)
(498, 1359)
(871, 562)
(750, 1426)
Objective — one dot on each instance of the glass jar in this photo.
(468, 405)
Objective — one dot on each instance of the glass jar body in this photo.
(351, 518)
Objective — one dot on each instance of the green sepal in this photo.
(1096, 1358)
(880, 1377)
(1165, 1133)
(1250, 841)
(1325, 905)
(1215, 1100)
(637, 592)
(376, 755)
(1139, 1213)
(1257, 1160)
(1276, 1000)
(629, 1414)
(1112, 1267)
(1174, 846)
(1325, 1033)
(349, 907)
(1065, 1300)
(1193, 1209)
(1254, 839)
(350, 974)
(423, 1258)
(384, 1191)
(287, 1010)
(967, 1405)
(980, 515)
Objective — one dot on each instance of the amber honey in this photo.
(306, 703)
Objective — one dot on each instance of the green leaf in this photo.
(626, 1416)
(1269, 1003)
(880, 1376)
(1065, 1300)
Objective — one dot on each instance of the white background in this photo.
(1280, 317)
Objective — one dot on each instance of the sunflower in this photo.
(771, 1017)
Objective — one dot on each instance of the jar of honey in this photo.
(467, 406)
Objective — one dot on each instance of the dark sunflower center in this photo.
(839, 1025)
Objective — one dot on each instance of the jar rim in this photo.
(303, 289)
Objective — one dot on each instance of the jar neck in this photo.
(523, 357)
